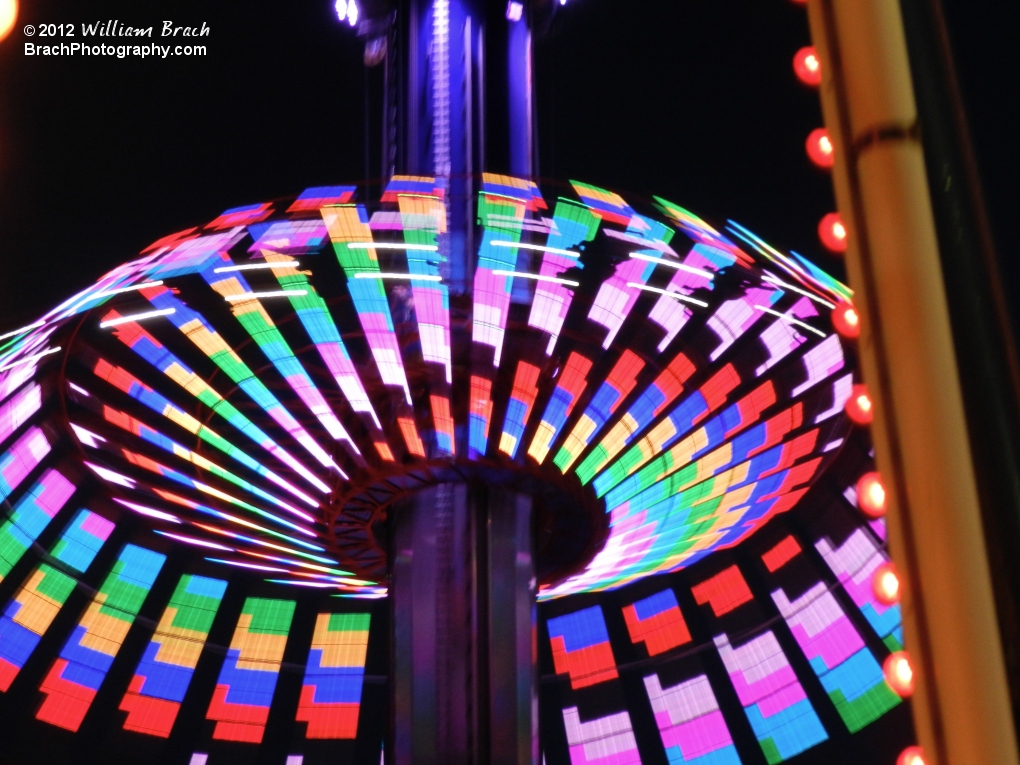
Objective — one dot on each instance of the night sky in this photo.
(694, 100)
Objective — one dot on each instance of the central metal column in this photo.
(464, 658)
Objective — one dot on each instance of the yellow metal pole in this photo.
(961, 703)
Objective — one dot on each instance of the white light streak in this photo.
(260, 295)
(792, 288)
(791, 320)
(255, 566)
(667, 293)
(194, 541)
(151, 512)
(406, 277)
(22, 330)
(30, 359)
(137, 317)
(391, 246)
(673, 264)
(257, 266)
(535, 248)
(122, 290)
(537, 277)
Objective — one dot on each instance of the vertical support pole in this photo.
(961, 705)
(463, 599)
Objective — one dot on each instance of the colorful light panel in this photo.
(75, 678)
(657, 622)
(18, 409)
(690, 723)
(580, 647)
(244, 690)
(603, 741)
(21, 459)
(780, 714)
(157, 689)
(846, 667)
(331, 694)
(34, 607)
(30, 517)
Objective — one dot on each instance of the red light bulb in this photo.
(819, 148)
(912, 755)
(871, 495)
(886, 584)
(846, 320)
(858, 407)
(808, 66)
(899, 674)
(832, 232)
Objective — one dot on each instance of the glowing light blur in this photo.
(886, 584)
(847, 321)
(871, 497)
(790, 320)
(257, 266)
(8, 15)
(391, 246)
(537, 277)
(673, 264)
(819, 148)
(832, 232)
(535, 248)
(899, 674)
(194, 541)
(912, 755)
(404, 277)
(30, 359)
(21, 330)
(136, 317)
(667, 293)
(858, 406)
(807, 66)
(514, 11)
(260, 295)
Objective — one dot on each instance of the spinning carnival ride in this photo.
(461, 470)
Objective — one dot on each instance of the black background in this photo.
(694, 100)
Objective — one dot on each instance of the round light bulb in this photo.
(819, 148)
(899, 674)
(886, 584)
(832, 232)
(871, 495)
(808, 66)
(858, 407)
(846, 320)
(912, 755)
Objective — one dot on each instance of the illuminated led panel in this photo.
(443, 420)
(845, 666)
(240, 216)
(618, 385)
(700, 231)
(569, 387)
(653, 400)
(480, 415)
(503, 219)
(30, 516)
(734, 317)
(781, 554)
(348, 224)
(854, 563)
(154, 437)
(580, 647)
(672, 314)
(244, 690)
(615, 297)
(21, 459)
(126, 382)
(657, 622)
(74, 679)
(723, 592)
(573, 225)
(150, 349)
(782, 337)
(651, 450)
(191, 254)
(690, 723)
(518, 409)
(45, 591)
(331, 693)
(311, 199)
(424, 217)
(293, 237)
(774, 701)
(606, 204)
(318, 323)
(257, 322)
(209, 342)
(604, 741)
(157, 689)
(16, 411)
